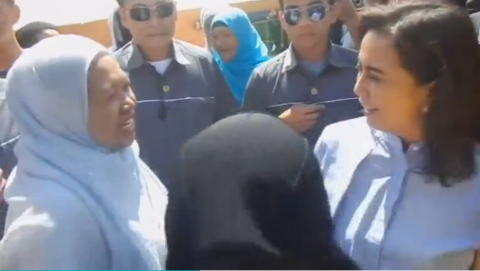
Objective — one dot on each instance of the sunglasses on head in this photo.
(143, 13)
(315, 13)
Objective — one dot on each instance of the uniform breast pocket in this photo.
(341, 111)
(192, 114)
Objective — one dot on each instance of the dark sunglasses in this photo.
(143, 14)
(315, 13)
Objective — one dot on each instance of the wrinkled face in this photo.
(307, 22)
(111, 104)
(224, 42)
(9, 15)
(151, 22)
(390, 95)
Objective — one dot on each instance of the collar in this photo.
(135, 57)
(336, 57)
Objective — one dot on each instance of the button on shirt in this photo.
(282, 82)
(172, 107)
(388, 213)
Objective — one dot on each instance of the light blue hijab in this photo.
(72, 203)
(251, 51)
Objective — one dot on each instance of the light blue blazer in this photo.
(388, 213)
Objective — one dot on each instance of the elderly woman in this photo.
(80, 198)
(403, 182)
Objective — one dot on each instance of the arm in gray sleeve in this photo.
(226, 104)
(256, 96)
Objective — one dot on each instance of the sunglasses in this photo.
(143, 13)
(315, 13)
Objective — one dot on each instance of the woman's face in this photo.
(224, 42)
(111, 104)
(390, 95)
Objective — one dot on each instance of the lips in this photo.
(369, 111)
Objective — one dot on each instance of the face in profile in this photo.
(392, 99)
(151, 22)
(9, 15)
(307, 22)
(111, 104)
(224, 42)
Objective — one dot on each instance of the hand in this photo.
(302, 117)
(3, 182)
(346, 11)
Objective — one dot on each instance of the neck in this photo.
(157, 53)
(315, 53)
(9, 52)
(411, 137)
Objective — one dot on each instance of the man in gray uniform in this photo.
(10, 50)
(179, 88)
(310, 85)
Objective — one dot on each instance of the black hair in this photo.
(281, 3)
(121, 3)
(437, 45)
(121, 34)
(29, 34)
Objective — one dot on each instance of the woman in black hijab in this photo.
(248, 194)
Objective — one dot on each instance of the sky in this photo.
(65, 12)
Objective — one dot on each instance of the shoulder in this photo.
(193, 52)
(341, 136)
(46, 206)
(344, 57)
(337, 131)
(270, 68)
(123, 55)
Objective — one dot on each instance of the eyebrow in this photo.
(312, 3)
(154, 5)
(369, 68)
(374, 69)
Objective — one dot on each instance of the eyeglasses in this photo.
(315, 13)
(143, 13)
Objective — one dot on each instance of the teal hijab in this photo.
(251, 51)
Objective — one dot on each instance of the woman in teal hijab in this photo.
(238, 48)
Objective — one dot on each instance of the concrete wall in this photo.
(187, 24)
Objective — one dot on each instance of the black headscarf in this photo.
(248, 194)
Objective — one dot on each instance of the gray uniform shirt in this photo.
(281, 82)
(173, 107)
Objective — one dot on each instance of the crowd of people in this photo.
(355, 148)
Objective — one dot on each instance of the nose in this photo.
(304, 21)
(360, 89)
(130, 102)
(155, 20)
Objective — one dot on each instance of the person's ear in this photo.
(175, 13)
(281, 18)
(333, 14)
(124, 18)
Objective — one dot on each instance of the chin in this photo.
(126, 141)
(376, 123)
(306, 42)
